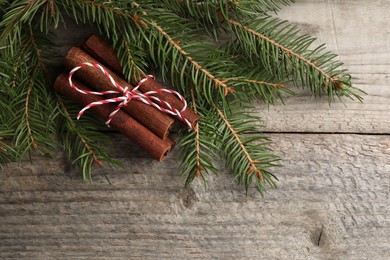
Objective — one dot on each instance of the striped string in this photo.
(148, 98)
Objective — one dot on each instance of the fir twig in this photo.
(217, 82)
(82, 140)
(74, 128)
(251, 161)
(320, 72)
(288, 51)
(26, 110)
(245, 149)
(199, 167)
(198, 148)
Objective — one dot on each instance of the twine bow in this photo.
(127, 95)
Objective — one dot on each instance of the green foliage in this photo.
(199, 149)
(245, 149)
(276, 46)
(81, 140)
(27, 102)
(219, 54)
(31, 115)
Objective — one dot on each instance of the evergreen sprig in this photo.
(200, 148)
(82, 140)
(245, 149)
(277, 47)
(219, 54)
(31, 114)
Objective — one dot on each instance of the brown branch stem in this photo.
(175, 44)
(26, 109)
(78, 133)
(199, 167)
(138, 74)
(259, 82)
(38, 52)
(285, 49)
(18, 62)
(252, 162)
(17, 19)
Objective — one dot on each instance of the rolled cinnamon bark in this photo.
(139, 134)
(155, 120)
(104, 53)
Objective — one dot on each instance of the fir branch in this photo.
(13, 20)
(285, 49)
(40, 63)
(30, 98)
(258, 82)
(24, 13)
(132, 55)
(250, 82)
(199, 167)
(26, 110)
(105, 15)
(51, 15)
(175, 44)
(19, 61)
(319, 72)
(252, 90)
(81, 140)
(7, 152)
(33, 123)
(213, 15)
(34, 120)
(198, 148)
(209, 15)
(251, 161)
(74, 128)
(245, 149)
(166, 52)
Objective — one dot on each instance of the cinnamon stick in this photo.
(155, 120)
(104, 53)
(139, 134)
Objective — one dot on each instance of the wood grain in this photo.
(332, 203)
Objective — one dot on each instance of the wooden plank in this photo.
(358, 31)
(332, 203)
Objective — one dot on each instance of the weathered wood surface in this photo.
(333, 195)
(332, 203)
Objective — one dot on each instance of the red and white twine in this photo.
(127, 95)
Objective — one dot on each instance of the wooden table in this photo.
(333, 196)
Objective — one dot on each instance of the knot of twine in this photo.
(127, 95)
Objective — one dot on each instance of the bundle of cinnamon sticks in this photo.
(145, 125)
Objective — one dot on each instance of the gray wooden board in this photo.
(331, 203)
(333, 195)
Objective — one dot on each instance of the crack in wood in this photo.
(320, 236)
